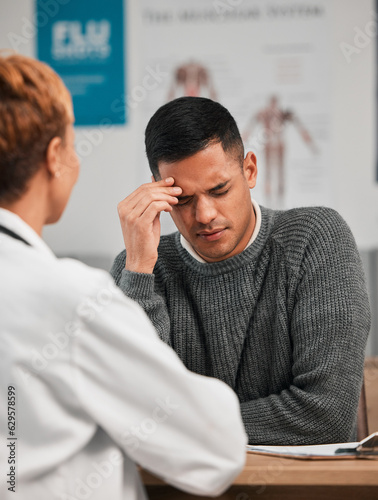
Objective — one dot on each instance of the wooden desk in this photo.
(275, 478)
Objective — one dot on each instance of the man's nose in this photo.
(205, 210)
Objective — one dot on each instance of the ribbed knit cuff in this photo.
(137, 286)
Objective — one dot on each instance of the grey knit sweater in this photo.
(284, 323)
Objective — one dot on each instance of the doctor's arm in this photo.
(181, 426)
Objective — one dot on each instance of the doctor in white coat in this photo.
(87, 388)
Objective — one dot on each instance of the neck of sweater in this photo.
(189, 248)
(251, 252)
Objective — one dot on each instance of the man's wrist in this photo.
(139, 268)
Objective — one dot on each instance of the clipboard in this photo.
(367, 448)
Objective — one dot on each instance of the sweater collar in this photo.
(188, 247)
(251, 252)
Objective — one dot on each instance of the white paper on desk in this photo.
(366, 447)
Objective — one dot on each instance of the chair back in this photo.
(362, 421)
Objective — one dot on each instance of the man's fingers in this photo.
(140, 201)
(168, 181)
(147, 193)
(152, 211)
(156, 186)
(126, 210)
(139, 215)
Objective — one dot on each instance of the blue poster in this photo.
(84, 43)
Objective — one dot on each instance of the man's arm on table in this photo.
(330, 321)
(125, 376)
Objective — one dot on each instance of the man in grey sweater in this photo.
(273, 303)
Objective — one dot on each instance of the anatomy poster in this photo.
(268, 63)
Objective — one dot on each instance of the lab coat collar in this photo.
(13, 222)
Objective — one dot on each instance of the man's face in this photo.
(214, 212)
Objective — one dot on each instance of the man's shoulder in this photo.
(308, 221)
(310, 229)
(311, 213)
(309, 234)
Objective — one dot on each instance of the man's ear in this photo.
(250, 169)
(52, 157)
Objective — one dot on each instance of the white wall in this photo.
(90, 224)
(354, 111)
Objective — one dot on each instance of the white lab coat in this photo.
(97, 391)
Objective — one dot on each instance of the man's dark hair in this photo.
(187, 125)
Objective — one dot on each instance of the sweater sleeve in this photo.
(141, 288)
(329, 325)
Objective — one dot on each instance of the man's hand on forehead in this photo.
(139, 215)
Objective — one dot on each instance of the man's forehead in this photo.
(206, 169)
(207, 179)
